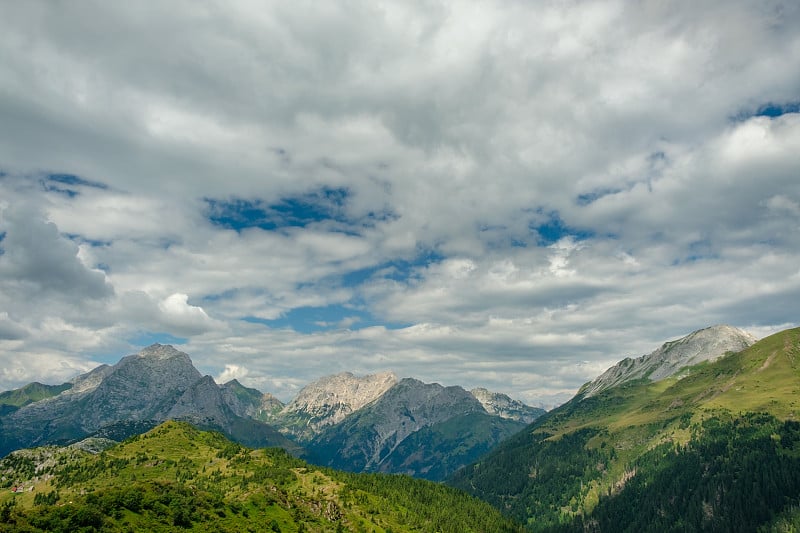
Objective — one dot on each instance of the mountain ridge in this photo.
(352, 422)
(410, 429)
(728, 426)
(329, 400)
(707, 344)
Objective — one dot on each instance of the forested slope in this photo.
(716, 450)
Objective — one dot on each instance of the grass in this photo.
(205, 482)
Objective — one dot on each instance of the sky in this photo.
(507, 194)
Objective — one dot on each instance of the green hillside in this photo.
(176, 477)
(32, 392)
(717, 450)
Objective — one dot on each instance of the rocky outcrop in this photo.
(91, 380)
(268, 407)
(707, 344)
(329, 400)
(503, 406)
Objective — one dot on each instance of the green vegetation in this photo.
(32, 392)
(678, 454)
(733, 475)
(176, 477)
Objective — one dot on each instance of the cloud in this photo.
(183, 318)
(232, 372)
(10, 330)
(44, 367)
(503, 194)
(38, 257)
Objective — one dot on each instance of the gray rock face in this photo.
(364, 439)
(329, 400)
(503, 406)
(157, 384)
(144, 386)
(707, 344)
(91, 380)
(268, 407)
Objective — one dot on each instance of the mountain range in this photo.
(699, 435)
(371, 423)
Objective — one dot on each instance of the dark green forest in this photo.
(734, 475)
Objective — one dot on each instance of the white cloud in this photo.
(183, 318)
(532, 190)
(37, 260)
(232, 372)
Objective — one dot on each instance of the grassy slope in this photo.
(608, 432)
(32, 392)
(176, 476)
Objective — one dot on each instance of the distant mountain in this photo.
(375, 423)
(328, 401)
(33, 392)
(176, 478)
(380, 423)
(714, 448)
(448, 427)
(157, 384)
(503, 406)
(436, 451)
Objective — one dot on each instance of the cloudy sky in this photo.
(507, 194)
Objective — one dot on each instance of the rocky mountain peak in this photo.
(707, 344)
(90, 380)
(161, 351)
(330, 399)
(156, 384)
(344, 389)
(504, 406)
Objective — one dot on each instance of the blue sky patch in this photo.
(70, 179)
(554, 230)
(591, 197)
(320, 205)
(775, 110)
(67, 184)
(700, 250)
(396, 269)
(79, 239)
(770, 109)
